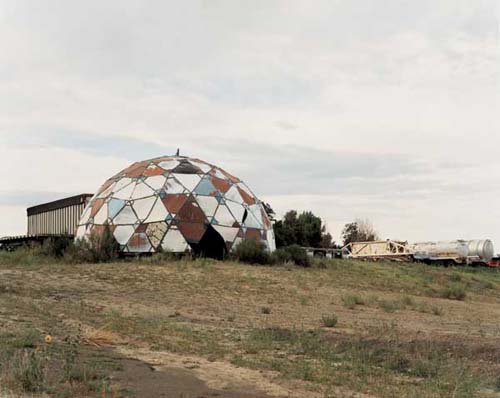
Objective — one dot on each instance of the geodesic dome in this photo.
(177, 204)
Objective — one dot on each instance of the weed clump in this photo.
(390, 305)
(436, 310)
(29, 370)
(329, 321)
(454, 292)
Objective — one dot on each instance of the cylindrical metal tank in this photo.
(481, 248)
(436, 250)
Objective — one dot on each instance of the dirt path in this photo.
(144, 381)
(215, 376)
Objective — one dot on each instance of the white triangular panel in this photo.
(174, 242)
(141, 191)
(158, 212)
(237, 209)
(223, 216)
(156, 182)
(122, 183)
(234, 195)
(168, 164)
(270, 240)
(102, 215)
(125, 216)
(190, 181)
(173, 186)
(123, 233)
(125, 192)
(227, 233)
(251, 222)
(255, 210)
(86, 214)
(208, 204)
(142, 207)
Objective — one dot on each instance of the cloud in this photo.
(27, 199)
(329, 105)
(84, 142)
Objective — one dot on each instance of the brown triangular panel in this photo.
(191, 212)
(192, 232)
(174, 202)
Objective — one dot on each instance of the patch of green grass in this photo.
(390, 305)
(408, 301)
(25, 257)
(454, 292)
(351, 301)
(29, 370)
(377, 363)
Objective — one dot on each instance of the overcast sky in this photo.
(387, 110)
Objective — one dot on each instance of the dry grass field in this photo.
(164, 328)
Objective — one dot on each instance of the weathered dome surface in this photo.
(177, 204)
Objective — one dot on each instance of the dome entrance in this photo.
(211, 245)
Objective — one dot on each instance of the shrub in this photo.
(265, 310)
(292, 253)
(282, 256)
(454, 292)
(250, 251)
(97, 248)
(56, 246)
(329, 321)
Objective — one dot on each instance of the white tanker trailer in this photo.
(454, 252)
(466, 252)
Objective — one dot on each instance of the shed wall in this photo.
(63, 221)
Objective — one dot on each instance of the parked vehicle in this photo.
(459, 252)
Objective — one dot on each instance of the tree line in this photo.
(308, 230)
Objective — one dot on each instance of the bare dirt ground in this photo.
(219, 329)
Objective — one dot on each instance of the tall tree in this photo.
(326, 238)
(359, 231)
(303, 229)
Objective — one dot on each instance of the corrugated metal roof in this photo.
(58, 204)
